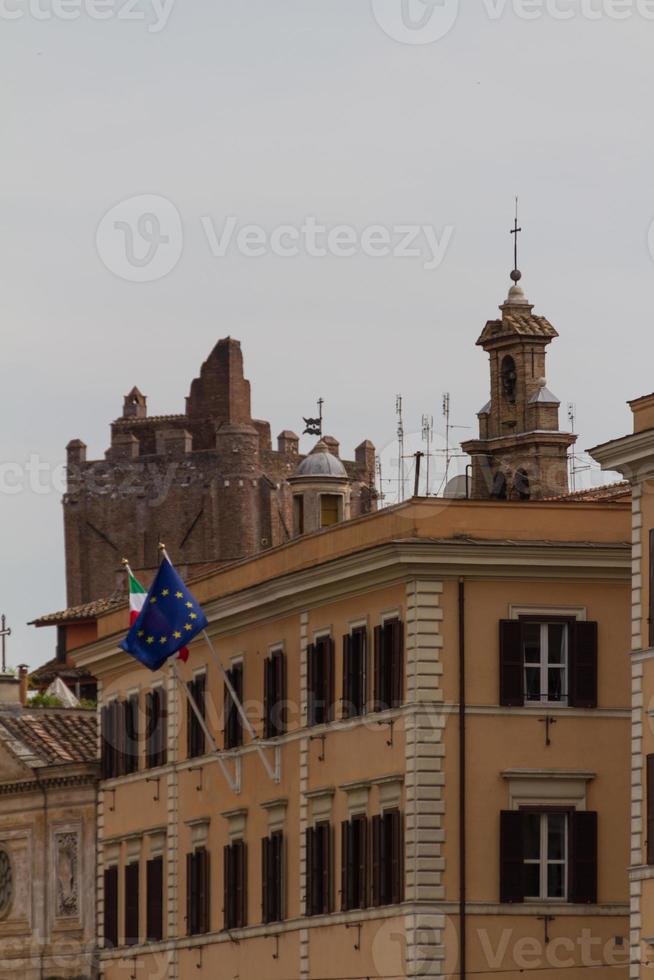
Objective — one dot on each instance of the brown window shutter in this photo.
(311, 684)
(162, 738)
(277, 874)
(362, 669)
(651, 588)
(512, 679)
(330, 694)
(228, 890)
(240, 861)
(394, 819)
(309, 874)
(346, 866)
(650, 809)
(150, 728)
(376, 860)
(132, 904)
(378, 643)
(397, 662)
(512, 887)
(131, 743)
(191, 892)
(265, 881)
(348, 693)
(582, 686)
(154, 898)
(326, 850)
(583, 857)
(111, 907)
(204, 890)
(279, 670)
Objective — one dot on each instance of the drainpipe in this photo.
(462, 783)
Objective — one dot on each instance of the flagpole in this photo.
(232, 781)
(273, 771)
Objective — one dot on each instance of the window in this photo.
(548, 854)
(545, 849)
(319, 869)
(195, 734)
(131, 742)
(651, 588)
(548, 661)
(389, 664)
(132, 904)
(111, 907)
(154, 924)
(330, 504)
(649, 843)
(387, 858)
(235, 857)
(61, 644)
(109, 748)
(272, 877)
(355, 672)
(298, 514)
(233, 720)
(320, 668)
(545, 648)
(354, 863)
(156, 732)
(274, 694)
(509, 378)
(198, 887)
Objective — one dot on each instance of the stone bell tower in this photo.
(520, 454)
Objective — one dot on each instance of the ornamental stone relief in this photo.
(66, 874)
(6, 883)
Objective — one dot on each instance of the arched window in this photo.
(509, 377)
(498, 489)
(521, 489)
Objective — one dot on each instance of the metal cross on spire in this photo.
(516, 275)
(5, 631)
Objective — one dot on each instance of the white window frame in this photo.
(544, 861)
(545, 665)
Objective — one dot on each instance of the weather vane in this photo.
(516, 275)
(314, 426)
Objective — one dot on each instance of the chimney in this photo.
(9, 691)
(22, 681)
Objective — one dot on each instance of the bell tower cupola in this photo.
(520, 454)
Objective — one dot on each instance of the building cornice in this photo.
(632, 455)
(387, 565)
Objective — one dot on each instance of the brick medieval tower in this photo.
(207, 482)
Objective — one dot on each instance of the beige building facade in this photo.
(441, 692)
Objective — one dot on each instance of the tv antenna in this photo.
(428, 435)
(400, 449)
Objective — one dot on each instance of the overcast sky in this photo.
(298, 113)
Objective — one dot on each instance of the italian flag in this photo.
(137, 596)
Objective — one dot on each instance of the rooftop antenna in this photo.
(572, 418)
(400, 449)
(378, 471)
(5, 631)
(446, 416)
(516, 275)
(427, 435)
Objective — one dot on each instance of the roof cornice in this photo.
(632, 455)
(386, 565)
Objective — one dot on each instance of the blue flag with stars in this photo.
(168, 621)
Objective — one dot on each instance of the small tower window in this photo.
(298, 514)
(509, 378)
(330, 504)
(521, 489)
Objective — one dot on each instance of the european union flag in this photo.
(169, 619)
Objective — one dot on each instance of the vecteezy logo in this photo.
(416, 21)
(141, 238)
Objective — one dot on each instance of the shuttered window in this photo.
(354, 863)
(548, 854)
(195, 735)
(320, 671)
(387, 858)
(649, 843)
(154, 900)
(233, 720)
(319, 869)
(355, 672)
(132, 904)
(274, 694)
(198, 892)
(389, 664)
(548, 662)
(156, 732)
(114, 759)
(651, 588)
(235, 880)
(111, 907)
(131, 742)
(272, 877)
(107, 742)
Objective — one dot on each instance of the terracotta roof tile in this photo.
(53, 736)
(611, 491)
(89, 610)
(522, 323)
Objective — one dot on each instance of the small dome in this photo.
(321, 463)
